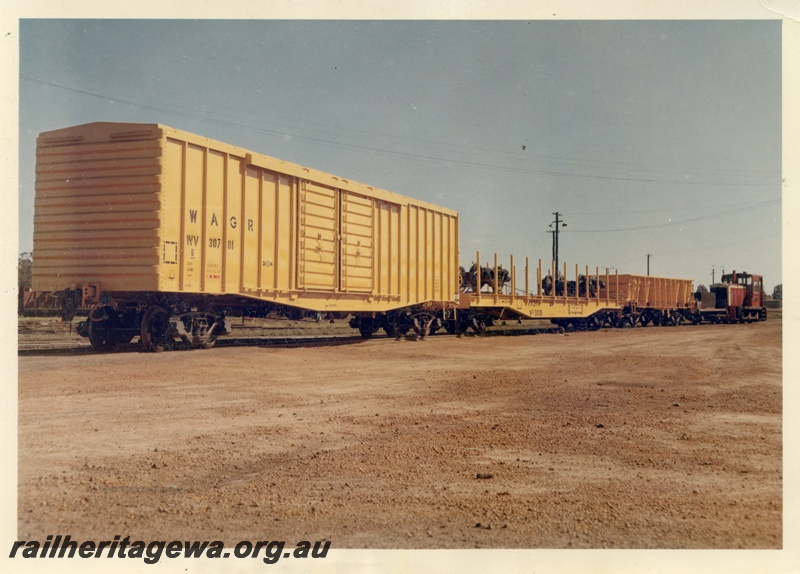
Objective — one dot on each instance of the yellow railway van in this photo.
(164, 233)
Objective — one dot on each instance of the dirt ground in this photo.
(663, 437)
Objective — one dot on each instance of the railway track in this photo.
(43, 347)
(80, 347)
(77, 348)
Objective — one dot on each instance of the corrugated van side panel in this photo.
(318, 245)
(298, 235)
(235, 225)
(277, 221)
(97, 208)
(413, 254)
(172, 242)
(431, 248)
(232, 223)
(433, 254)
(450, 268)
(361, 224)
(386, 255)
(445, 269)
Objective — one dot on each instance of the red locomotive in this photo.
(738, 298)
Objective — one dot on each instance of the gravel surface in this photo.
(633, 438)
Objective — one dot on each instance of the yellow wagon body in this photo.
(126, 208)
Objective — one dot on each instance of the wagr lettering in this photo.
(214, 220)
(233, 222)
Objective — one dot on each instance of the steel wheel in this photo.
(210, 342)
(479, 325)
(156, 329)
(392, 331)
(422, 324)
(626, 322)
(593, 323)
(101, 329)
(365, 327)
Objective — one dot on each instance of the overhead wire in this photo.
(705, 217)
(450, 146)
(233, 121)
(707, 248)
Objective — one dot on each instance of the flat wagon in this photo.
(164, 234)
(572, 301)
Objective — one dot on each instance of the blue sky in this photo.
(649, 137)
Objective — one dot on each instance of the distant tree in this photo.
(702, 289)
(24, 266)
(777, 293)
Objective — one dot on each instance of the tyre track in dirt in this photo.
(643, 438)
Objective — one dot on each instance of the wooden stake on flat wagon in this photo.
(513, 279)
(596, 280)
(494, 287)
(527, 279)
(539, 279)
(586, 283)
(478, 273)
